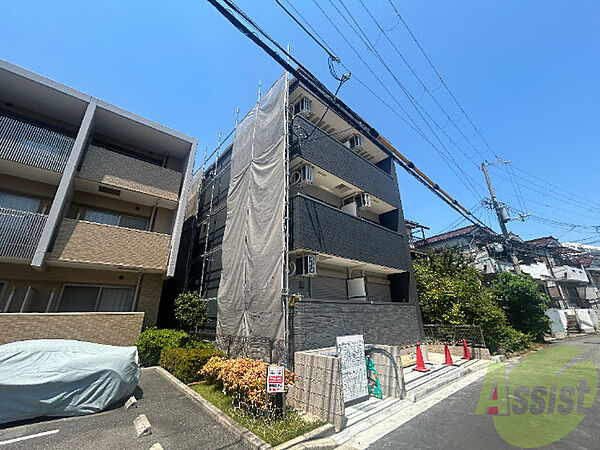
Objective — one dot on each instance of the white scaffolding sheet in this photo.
(250, 307)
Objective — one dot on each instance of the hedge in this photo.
(152, 341)
(185, 363)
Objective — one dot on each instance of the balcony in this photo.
(20, 232)
(81, 242)
(322, 228)
(124, 172)
(33, 145)
(570, 274)
(332, 156)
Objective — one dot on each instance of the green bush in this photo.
(152, 341)
(194, 343)
(190, 311)
(185, 363)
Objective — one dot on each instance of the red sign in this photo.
(275, 379)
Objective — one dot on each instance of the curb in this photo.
(314, 439)
(247, 438)
(447, 380)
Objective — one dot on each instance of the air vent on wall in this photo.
(342, 187)
(108, 190)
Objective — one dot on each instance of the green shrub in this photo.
(185, 363)
(190, 311)
(152, 341)
(194, 343)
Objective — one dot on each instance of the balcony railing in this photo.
(33, 145)
(322, 228)
(570, 273)
(20, 232)
(83, 242)
(121, 171)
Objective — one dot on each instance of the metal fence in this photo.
(267, 349)
(33, 145)
(438, 333)
(20, 232)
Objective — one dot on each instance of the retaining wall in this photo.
(118, 328)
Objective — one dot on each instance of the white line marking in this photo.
(31, 436)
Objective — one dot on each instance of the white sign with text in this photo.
(351, 350)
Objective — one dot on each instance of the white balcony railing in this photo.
(570, 273)
(20, 232)
(33, 145)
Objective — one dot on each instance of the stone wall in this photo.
(317, 324)
(318, 390)
(102, 328)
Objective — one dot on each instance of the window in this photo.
(118, 220)
(19, 202)
(95, 298)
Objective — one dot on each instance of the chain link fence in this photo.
(453, 334)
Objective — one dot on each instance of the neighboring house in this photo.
(92, 201)
(349, 251)
(558, 273)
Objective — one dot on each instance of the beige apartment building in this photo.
(92, 202)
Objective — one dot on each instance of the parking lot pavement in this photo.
(177, 421)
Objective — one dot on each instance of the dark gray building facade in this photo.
(350, 269)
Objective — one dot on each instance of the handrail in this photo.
(20, 232)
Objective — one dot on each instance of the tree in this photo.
(523, 303)
(190, 311)
(451, 292)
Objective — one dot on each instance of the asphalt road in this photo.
(177, 423)
(453, 424)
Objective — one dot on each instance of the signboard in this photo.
(351, 350)
(275, 379)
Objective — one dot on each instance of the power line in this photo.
(325, 96)
(470, 186)
(462, 110)
(423, 85)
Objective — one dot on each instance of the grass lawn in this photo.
(273, 432)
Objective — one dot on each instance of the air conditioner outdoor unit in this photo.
(355, 142)
(363, 200)
(306, 266)
(304, 175)
(303, 106)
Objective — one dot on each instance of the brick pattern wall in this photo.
(149, 297)
(125, 172)
(321, 228)
(316, 324)
(101, 328)
(95, 243)
(319, 390)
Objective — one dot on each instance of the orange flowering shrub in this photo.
(244, 379)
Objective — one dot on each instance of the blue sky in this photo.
(527, 73)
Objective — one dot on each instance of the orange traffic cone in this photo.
(448, 361)
(466, 352)
(420, 363)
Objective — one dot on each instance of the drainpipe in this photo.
(137, 291)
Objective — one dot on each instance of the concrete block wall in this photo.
(318, 389)
(125, 172)
(317, 324)
(94, 243)
(103, 328)
(390, 385)
(457, 351)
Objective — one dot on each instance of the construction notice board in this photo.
(351, 350)
(275, 379)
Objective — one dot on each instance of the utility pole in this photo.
(501, 220)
